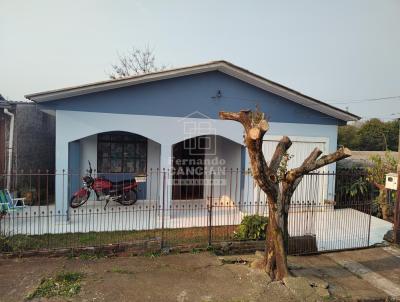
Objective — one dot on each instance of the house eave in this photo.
(222, 66)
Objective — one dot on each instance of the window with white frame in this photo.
(121, 152)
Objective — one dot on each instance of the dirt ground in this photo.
(196, 277)
(184, 277)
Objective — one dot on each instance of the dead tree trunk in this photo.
(277, 183)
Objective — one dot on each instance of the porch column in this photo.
(166, 178)
(61, 178)
(244, 164)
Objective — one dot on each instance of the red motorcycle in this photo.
(124, 192)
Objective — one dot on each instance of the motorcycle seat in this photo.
(123, 182)
(126, 181)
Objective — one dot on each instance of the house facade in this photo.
(168, 121)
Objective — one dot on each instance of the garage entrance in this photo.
(300, 149)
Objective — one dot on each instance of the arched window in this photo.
(121, 152)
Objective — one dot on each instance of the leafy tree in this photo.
(348, 136)
(371, 135)
(392, 130)
(135, 62)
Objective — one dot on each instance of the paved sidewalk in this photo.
(367, 274)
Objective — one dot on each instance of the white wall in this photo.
(88, 151)
(73, 125)
(153, 169)
(225, 163)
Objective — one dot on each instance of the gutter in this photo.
(10, 147)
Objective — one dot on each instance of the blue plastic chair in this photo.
(8, 203)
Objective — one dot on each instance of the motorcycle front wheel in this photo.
(78, 200)
(128, 198)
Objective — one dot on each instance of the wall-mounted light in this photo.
(218, 95)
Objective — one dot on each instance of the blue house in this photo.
(169, 120)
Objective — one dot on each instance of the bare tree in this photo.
(277, 182)
(135, 62)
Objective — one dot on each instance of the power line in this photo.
(383, 117)
(367, 100)
(354, 101)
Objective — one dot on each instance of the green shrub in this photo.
(252, 227)
(5, 245)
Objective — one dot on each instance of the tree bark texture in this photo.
(277, 183)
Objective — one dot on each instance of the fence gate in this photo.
(316, 223)
(340, 223)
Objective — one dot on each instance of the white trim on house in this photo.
(222, 66)
(309, 139)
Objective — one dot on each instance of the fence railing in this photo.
(327, 212)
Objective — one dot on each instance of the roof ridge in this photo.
(220, 65)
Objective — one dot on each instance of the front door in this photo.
(188, 174)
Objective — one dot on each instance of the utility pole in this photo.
(396, 226)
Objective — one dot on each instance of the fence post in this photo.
(396, 220)
(210, 206)
(163, 208)
(370, 211)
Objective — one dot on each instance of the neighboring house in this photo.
(31, 143)
(157, 121)
(362, 159)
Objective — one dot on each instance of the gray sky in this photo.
(336, 51)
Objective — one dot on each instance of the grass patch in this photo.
(92, 256)
(65, 284)
(22, 243)
(121, 271)
(211, 249)
(153, 255)
(195, 251)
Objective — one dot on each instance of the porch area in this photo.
(168, 173)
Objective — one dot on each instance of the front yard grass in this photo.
(66, 284)
(199, 235)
